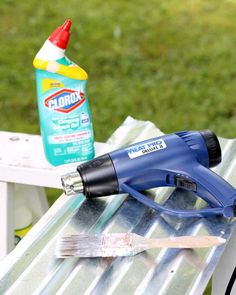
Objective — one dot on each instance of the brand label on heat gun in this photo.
(143, 149)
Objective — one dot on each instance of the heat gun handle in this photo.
(208, 212)
(214, 190)
(206, 184)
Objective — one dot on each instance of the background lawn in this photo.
(170, 62)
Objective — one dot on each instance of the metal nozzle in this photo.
(72, 183)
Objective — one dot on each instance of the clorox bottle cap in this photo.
(60, 37)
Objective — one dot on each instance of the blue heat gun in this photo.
(181, 159)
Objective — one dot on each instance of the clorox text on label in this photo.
(65, 100)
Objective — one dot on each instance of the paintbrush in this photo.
(125, 244)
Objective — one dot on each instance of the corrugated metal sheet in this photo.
(32, 268)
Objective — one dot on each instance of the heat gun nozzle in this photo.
(72, 183)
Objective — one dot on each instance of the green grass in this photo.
(170, 62)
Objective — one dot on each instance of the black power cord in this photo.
(231, 283)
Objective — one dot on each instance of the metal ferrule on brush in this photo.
(72, 183)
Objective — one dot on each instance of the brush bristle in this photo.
(78, 245)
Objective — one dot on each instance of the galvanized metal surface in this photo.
(32, 268)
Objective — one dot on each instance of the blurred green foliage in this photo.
(170, 62)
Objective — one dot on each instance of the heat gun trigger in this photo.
(185, 183)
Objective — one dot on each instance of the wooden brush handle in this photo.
(187, 242)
